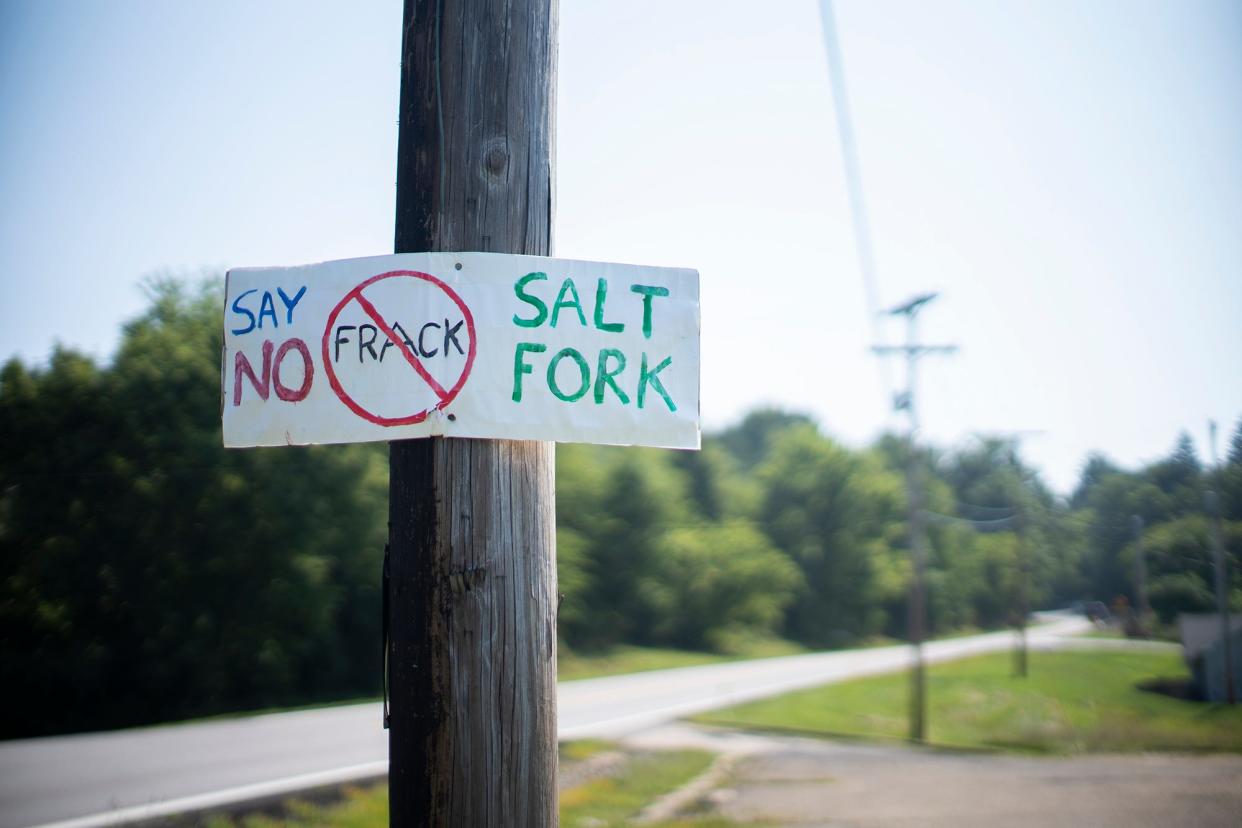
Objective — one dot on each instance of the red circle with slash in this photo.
(445, 395)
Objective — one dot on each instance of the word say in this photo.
(266, 310)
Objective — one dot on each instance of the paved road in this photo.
(110, 778)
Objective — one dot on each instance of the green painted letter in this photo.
(601, 296)
(646, 377)
(520, 367)
(534, 301)
(561, 302)
(605, 377)
(582, 367)
(648, 291)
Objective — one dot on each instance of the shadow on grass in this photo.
(1183, 689)
(1175, 687)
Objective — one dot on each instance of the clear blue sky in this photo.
(1067, 174)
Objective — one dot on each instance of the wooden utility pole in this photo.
(1021, 525)
(1221, 568)
(1021, 522)
(917, 608)
(1024, 591)
(912, 351)
(472, 653)
(1141, 605)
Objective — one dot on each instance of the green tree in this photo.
(750, 441)
(581, 475)
(1094, 470)
(632, 498)
(1179, 477)
(831, 511)
(1181, 567)
(1227, 479)
(720, 583)
(148, 574)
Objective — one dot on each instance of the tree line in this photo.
(146, 574)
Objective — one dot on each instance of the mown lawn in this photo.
(359, 808)
(1072, 702)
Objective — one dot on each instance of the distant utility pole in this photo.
(1024, 587)
(1021, 525)
(1222, 573)
(1141, 604)
(472, 570)
(905, 401)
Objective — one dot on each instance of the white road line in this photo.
(276, 788)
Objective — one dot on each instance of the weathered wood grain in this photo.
(472, 535)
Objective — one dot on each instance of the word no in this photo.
(269, 376)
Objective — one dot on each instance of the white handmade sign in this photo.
(461, 345)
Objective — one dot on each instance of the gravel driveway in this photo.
(794, 781)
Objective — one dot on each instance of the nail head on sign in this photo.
(458, 265)
(452, 418)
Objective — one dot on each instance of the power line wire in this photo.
(853, 181)
(994, 525)
(963, 506)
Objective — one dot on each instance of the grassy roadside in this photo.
(616, 800)
(627, 658)
(1072, 702)
(612, 800)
